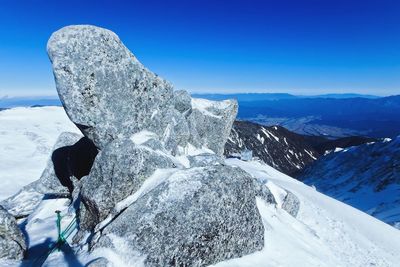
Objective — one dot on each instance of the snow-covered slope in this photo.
(325, 232)
(366, 177)
(27, 136)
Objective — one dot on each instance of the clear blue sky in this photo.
(301, 47)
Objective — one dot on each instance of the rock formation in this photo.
(110, 95)
(195, 210)
(150, 172)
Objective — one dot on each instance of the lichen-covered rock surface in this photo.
(12, 241)
(197, 217)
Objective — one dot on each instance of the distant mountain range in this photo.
(332, 116)
(245, 97)
(12, 102)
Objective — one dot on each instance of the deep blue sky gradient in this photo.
(300, 47)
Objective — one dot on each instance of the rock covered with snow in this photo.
(211, 122)
(159, 183)
(291, 204)
(12, 241)
(48, 185)
(118, 172)
(182, 101)
(197, 217)
(205, 159)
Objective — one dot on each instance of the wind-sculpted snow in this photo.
(366, 177)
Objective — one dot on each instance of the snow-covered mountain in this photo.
(284, 150)
(325, 232)
(366, 177)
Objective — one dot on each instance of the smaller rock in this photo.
(263, 192)
(206, 159)
(210, 123)
(182, 101)
(12, 241)
(291, 204)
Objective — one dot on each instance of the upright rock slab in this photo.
(211, 122)
(105, 90)
(197, 217)
(12, 241)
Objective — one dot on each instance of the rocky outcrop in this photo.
(159, 184)
(196, 217)
(118, 172)
(12, 241)
(110, 95)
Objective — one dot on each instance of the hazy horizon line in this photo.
(200, 92)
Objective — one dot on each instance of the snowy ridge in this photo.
(276, 146)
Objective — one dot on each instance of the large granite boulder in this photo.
(110, 95)
(104, 89)
(211, 122)
(72, 157)
(118, 172)
(12, 241)
(197, 217)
